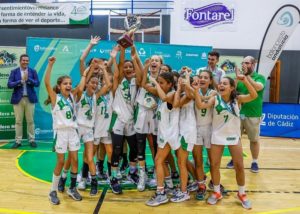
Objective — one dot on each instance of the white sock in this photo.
(254, 161)
(55, 180)
(241, 190)
(64, 173)
(169, 182)
(217, 188)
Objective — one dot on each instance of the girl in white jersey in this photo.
(64, 125)
(226, 131)
(203, 85)
(168, 134)
(122, 122)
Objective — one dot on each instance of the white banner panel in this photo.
(44, 14)
(280, 29)
(208, 15)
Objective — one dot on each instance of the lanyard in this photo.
(89, 100)
(228, 107)
(67, 102)
(206, 94)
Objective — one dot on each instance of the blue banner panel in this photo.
(68, 52)
(280, 120)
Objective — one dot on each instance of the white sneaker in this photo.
(81, 185)
(119, 175)
(180, 197)
(142, 181)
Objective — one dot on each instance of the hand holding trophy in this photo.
(131, 23)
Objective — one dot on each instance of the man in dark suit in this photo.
(23, 80)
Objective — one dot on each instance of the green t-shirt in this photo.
(253, 108)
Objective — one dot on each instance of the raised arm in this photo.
(162, 95)
(148, 86)
(49, 89)
(252, 92)
(121, 64)
(77, 92)
(94, 41)
(137, 68)
(116, 72)
(107, 86)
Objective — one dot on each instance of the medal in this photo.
(89, 117)
(106, 115)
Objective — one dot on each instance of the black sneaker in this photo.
(102, 175)
(115, 186)
(61, 184)
(133, 177)
(16, 145)
(94, 188)
(73, 193)
(175, 175)
(53, 198)
(33, 144)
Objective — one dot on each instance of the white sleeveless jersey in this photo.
(86, 108)
(103, 115)
(168, 124)
(226, 123)
(204, 116)
(124, 100)
(63, 113)
(145, 98)
(187, 123)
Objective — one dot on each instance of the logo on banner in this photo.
(179, 54)
(211, 14)
(7, 59)
(277, 47)
(142, 52)
(285, 19)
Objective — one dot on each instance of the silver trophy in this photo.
(131, 24)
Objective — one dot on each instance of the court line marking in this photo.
(281, 210)
(3, 210)
(25, 173)
(100, 201)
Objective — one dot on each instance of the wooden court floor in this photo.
(275, 189)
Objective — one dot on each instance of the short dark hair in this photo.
(214, 53)
(23, 55)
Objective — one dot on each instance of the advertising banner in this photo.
(44, 14)
(9, 60)
(208, 15)
(68, 52)
(280, 29)
(280, 120)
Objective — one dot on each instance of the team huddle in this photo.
(126, 103)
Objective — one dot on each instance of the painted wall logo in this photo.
(285, 19)
(7, 59)
(209, 15)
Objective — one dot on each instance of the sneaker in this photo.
(175, 175)
(192, 187)
(180, 197)
(133, 177)
(115, 186)
(33, 144)
(254, 167)
(16, 145)
(245, 202)
(230, 165)
(157, 199)
(170, 191)
(142, 181)
(222, 188)
(53, 198)
(214, 197)
(123, 167)
(102, 175)
(201, 192)
(82, 185)
(152, 182)
(73, 193)
(61, 184)
(94, 188)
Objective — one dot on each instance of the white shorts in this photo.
(174, 144)
(145, 122)
(104, 140)
(185, 145)
(120, 128)
(86, 134)
(204, 136)
(66, 140)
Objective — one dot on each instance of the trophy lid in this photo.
(131, 22)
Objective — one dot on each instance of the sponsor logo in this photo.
(142, 52)
(179, 54)
(277, 47)
(65, 49)
(286, 19)
(212, 14)
(203, 55)
(38, 48)
(192, 55)
(39, 131)
(7, 59)
(228, 66)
